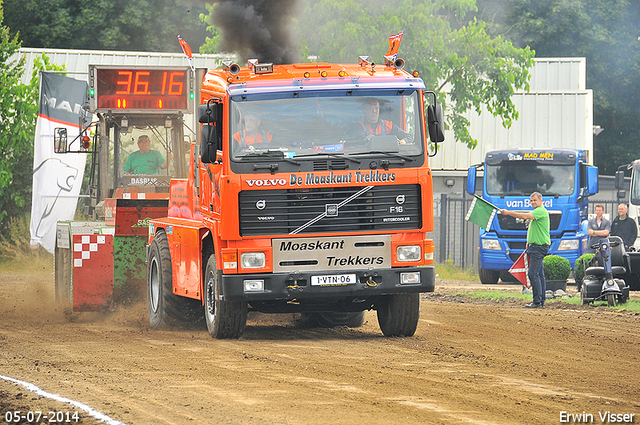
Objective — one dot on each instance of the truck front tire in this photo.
(165, 308)
(488, 276)
(225, 319)
(399, 315)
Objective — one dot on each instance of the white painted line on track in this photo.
(92, 412)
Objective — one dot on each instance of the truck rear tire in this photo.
(399, 315)
(165, 308)
(225, 319)
(488, 276)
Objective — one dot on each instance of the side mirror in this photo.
(209, 143)
(435, 123)
(471, 180)
(619, 179)
(209, 112)
(592, 180)
(60, 140)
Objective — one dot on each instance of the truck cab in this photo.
(298, 200)
(565, 180)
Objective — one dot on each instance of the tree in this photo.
(18, 112)
(603, 31)
(141, 25)
(453, 55)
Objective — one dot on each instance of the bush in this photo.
(556, 267)
(581, 264)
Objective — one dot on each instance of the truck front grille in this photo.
(329, 210)
(508, 222)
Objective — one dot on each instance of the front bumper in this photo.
(290, 286)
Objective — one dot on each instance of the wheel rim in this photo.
(211, 296)
(154, 280)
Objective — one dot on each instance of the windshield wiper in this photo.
(267, 155)
(393, 154)
(332, 155)
(554, 194)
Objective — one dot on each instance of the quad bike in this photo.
(603, 278)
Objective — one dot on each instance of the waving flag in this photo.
(520, 269)
(187, 51)
(394, 44)
(481, 213)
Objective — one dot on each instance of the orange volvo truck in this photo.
(310, 191)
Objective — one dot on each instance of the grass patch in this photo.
(16, 253)
(632, 305)
(28, 264)
(496, 295)
(447, 270)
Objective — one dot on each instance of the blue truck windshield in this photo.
(333, 122)
(524, 177)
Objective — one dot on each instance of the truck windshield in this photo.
(525, 177)
(326, 123)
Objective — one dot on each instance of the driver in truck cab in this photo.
(145, 160)
(373, 126)
(251, 134)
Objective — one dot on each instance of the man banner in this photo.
(520, 269)
(481, 213)
(57, 177)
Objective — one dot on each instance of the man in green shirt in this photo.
(538, 243)
(146, 160)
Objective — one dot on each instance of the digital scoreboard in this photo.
(140, 89)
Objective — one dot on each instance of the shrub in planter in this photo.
(578, 270)
(556, 268)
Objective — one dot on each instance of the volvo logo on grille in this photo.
(331, 210)
(400, 199)
(261, 204)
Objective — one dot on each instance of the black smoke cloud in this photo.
(257, 29)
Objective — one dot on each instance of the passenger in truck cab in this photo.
(251, 134)
(371, 125)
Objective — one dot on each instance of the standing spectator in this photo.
(599, 227)
(624, 227)
(538, 243)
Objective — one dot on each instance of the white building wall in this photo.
(77, 62)
(556, 112)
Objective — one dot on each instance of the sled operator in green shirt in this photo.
(538, 243)
(146, 160)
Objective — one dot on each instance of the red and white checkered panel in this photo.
(92, 271)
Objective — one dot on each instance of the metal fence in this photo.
(456, 240)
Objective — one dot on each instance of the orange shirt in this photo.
(382, 127)
(245, 139)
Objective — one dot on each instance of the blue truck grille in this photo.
(330, 210)
(507, 222)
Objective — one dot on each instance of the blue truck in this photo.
(565, 180)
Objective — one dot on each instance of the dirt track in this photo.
(469, 362)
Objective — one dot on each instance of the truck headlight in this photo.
(253, 260)
(409, 253)
(492, 244)
(569, 245)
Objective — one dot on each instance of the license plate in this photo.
(336, 279)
